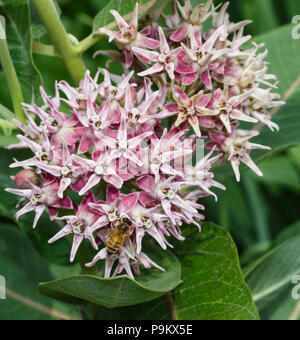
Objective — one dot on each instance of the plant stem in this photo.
(12, 79)
(88, 42)
(6, 113)
(40, 48)
(60, 38)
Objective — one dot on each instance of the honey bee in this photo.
(118, 235)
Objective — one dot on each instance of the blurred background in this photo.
(256, 210)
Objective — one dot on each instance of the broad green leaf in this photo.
(213, 286)
(125, 8)
(256, 10)
(23, 269)
(294, 157)
(270, 279)
(119, 291)
(153, 310)
(288, 233)
(19, 38)
(283, 52)
(292, 8)
(280, 171)
(57, 253)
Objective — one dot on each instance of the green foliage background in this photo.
(261, 214)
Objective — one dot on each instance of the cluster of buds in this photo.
(120, 155)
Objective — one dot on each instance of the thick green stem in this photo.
(88, 42)
(60, 38)
(12, 79)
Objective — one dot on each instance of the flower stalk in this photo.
(61, 41)
(12, 80)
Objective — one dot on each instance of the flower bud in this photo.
(25, 177)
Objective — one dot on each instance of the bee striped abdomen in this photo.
(115, 243)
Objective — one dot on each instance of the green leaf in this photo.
(270, 279)
(153, 310)
(292, 7)
(19, 38)
(213, 286)
(125, 8)
(255, 10)
(23, 269)
(280, 171)
(283, 63)
(119, 291)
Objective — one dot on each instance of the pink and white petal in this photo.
(112, 194)
(164, 46)
(26, 209)
(206, 78)
(67, 230)
(64, 184)
(108, 266)
(180, 33)
(179, 95)
(139, 237)
(194, 122)
(89, 235)
(235, 163)
(110, 142)
(38, 213)
(120, 21)
(77, 240)
(130, 201)
(152, 70)
(100, 256)
(102, 222)
(146, 183)
(149, 42)
(122, 132)
(153, 56)
(170, 67)
(249, 162)
(86, 143)
(226, 121)
(136, 141)
(177, 200)
(53, 212)
(20, 192)
(92, 182)
(188, 79)
(128, 154)
(125, 263)
(128, 58)
(239, 115)
(156, 235)
(147, 200)
(114, 180)
(147, 262)
(167, 208)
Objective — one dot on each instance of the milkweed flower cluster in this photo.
(134, 139)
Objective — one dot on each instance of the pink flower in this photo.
(123, 145)
(100, 168)
(128, 36)
(191, 17)
(37, 199)
(165, 60)
(236, 147)
(82, 226)
(194, 110)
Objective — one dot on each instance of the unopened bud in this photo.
(25, 177)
